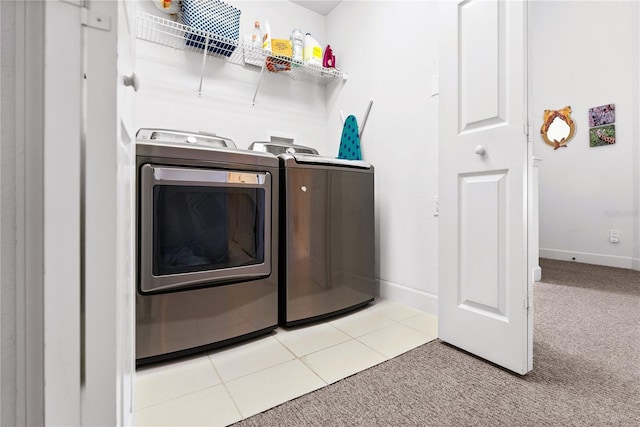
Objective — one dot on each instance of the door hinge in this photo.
(95, 20)
(528, 300)
(526, 127)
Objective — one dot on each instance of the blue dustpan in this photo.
(350, 141)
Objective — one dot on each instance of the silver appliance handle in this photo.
(168, 175)
(319, 160)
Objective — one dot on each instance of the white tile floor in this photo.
(234, 383)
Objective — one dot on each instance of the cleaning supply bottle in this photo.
(297, 44)
(312, 52)
(256, 37)
(266, 37)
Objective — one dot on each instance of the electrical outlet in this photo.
(436, 206)
(614, 236)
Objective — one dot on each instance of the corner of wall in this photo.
(415, 298)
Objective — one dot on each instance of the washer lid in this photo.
(280, 148)
(182, 137)
(331, 161)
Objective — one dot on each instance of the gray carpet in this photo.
(586, 369)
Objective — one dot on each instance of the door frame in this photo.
(22, 213)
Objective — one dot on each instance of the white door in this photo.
(484, 191)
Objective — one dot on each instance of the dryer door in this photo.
(202, 227)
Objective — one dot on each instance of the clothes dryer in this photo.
(207, 243)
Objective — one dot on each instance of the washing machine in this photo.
(207, 243)
(327, 234)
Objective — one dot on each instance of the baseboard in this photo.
(587, 258)
(415, 298)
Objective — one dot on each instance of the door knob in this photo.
(480, 150)
(132, 81)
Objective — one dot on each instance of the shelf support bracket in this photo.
(204, 61)
(258, 85)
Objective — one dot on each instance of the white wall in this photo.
(389, 50)
(585, 54)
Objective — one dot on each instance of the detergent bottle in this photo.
(312, 52)
(256, 37)
(266, 37)
(297, 44)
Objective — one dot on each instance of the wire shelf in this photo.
(182, 37)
